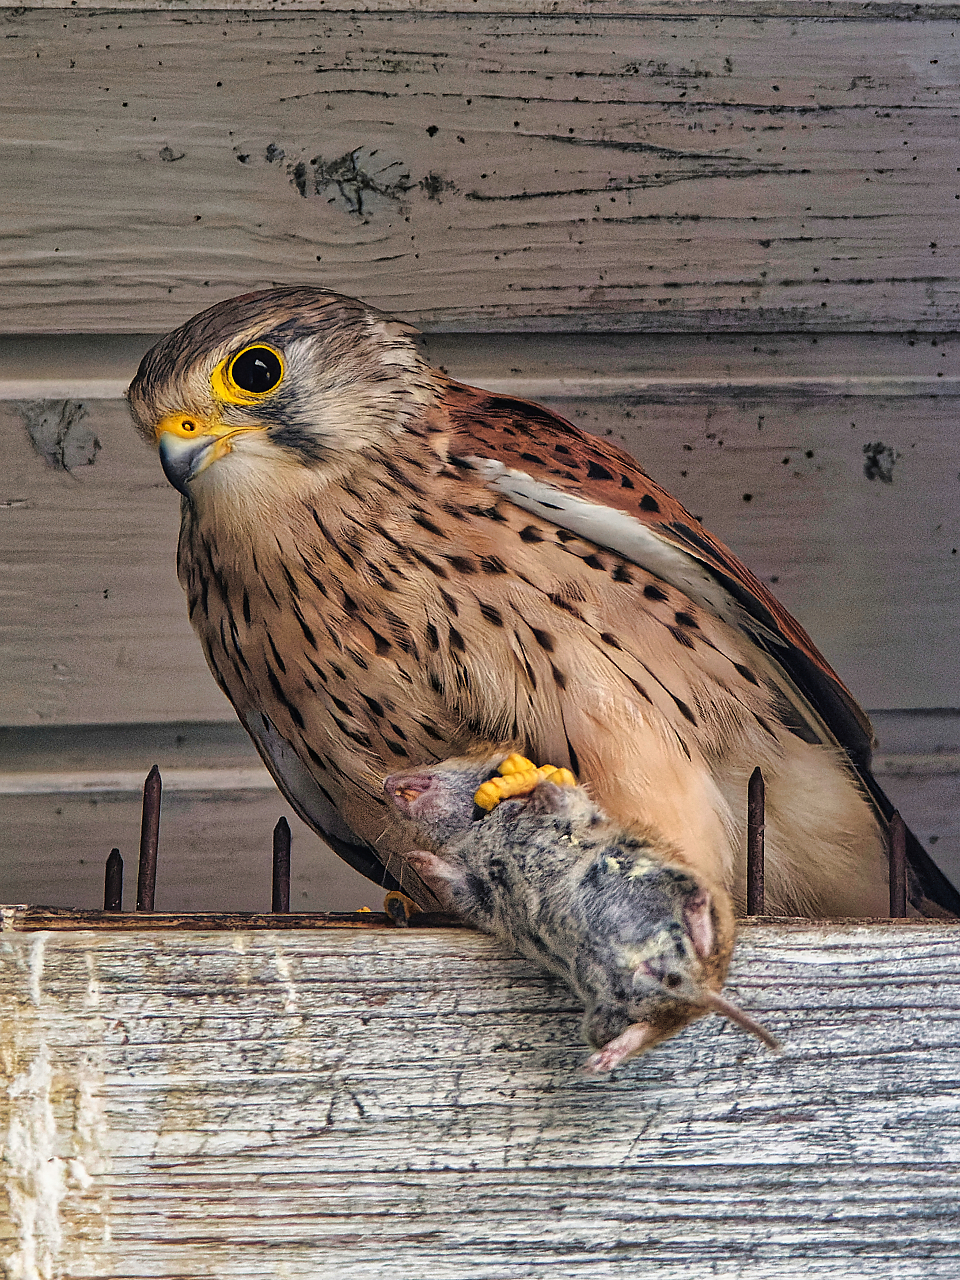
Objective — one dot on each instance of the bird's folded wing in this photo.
(599, 492)
(582, 483)
(303, 792)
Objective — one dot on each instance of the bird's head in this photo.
(286, 378)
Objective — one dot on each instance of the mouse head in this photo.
(438, 799)
(671, 967)
(679, 962)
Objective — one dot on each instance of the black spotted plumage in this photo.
(365, 487)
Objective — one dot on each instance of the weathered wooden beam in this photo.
(822, 9)
(23, 918)
(656, 167)
(346, 1103)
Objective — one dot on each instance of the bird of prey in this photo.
(388, 568)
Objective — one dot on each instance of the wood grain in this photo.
(346, 1104)
(662, 169)
(27, 919)
(823, 9)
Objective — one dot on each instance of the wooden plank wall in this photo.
(724, 231)
(638, 167)
(342, 1104)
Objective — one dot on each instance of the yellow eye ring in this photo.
(249, 374)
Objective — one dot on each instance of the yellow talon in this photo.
(519, 776)
(516, 763)
(560, 777)
(489, 794)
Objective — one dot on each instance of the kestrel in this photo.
(387, 568)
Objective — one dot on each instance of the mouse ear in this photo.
(637, 1037)
(698, 918)
(719, 1005)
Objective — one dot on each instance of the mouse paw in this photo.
(518, 777)
(637, 1037)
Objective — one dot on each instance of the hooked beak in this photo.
(188, 445)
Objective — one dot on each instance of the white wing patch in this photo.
(631, 538)
(625, 534)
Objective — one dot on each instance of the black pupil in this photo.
(257, 369)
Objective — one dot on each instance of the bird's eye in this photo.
(253, 371)
(258, 369)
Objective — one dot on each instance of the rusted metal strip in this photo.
(18, 918)
(24, 919)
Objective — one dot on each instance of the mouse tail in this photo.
(729, 1010)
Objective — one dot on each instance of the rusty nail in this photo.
(755, 827)
(897, 846)
(281, 866)
(149, 840)
(113, 882)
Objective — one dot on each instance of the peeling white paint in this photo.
(36, 968)
(36, 1177)
(290, 1003)
(8, 915)
(55, 1150)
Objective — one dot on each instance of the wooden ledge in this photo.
(330, 1098)
(26, 919)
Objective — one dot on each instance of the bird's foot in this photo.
(518, 777)
(399, 908)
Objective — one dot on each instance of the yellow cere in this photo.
(182, 425)
(519, 776)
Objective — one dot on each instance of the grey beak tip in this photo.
(179, 459)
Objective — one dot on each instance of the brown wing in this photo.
(531, 439)
(528, 438)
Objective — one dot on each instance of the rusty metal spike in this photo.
(113, 882)
(755, 831)
(149, 841)
(281, 866)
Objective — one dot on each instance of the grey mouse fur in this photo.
(640, 940)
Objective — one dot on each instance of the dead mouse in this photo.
(640, 940)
